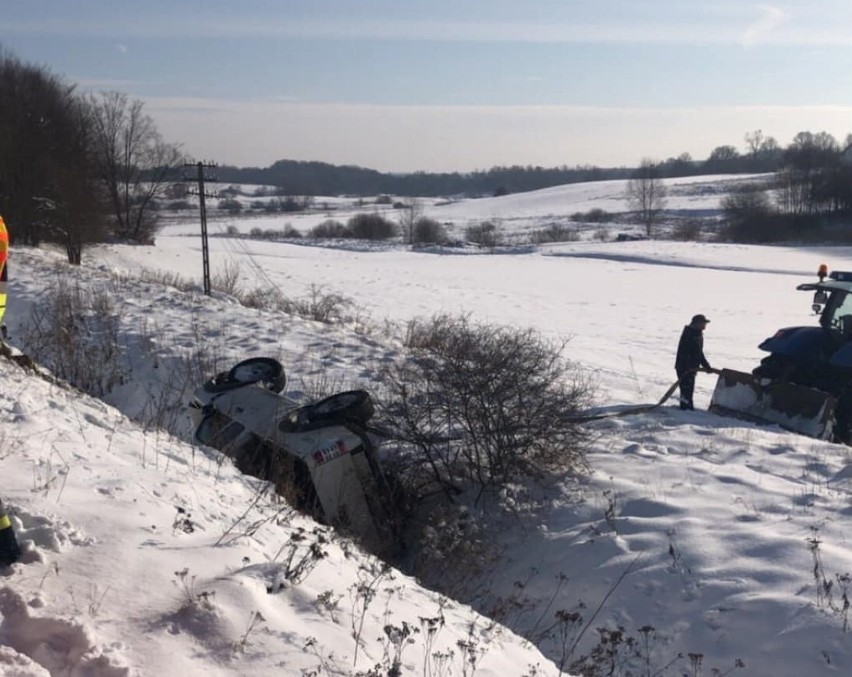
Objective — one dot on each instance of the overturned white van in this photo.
(321, 457)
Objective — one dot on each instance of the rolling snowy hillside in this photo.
(706, 537)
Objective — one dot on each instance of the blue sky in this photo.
(454, 85)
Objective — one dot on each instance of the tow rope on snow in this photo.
(641, 409)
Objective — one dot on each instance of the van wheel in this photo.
(264, 370)
(351, 404)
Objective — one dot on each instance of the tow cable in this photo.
(642, 408)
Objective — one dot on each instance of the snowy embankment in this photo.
(703, 528)
(146, 556)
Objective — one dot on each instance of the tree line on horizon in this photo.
(762, 154)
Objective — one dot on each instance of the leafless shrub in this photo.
(227, 279)
(482, 405)
(555, 232)
(168, 279)
(179, 374)
(262, 298)
(74, 331)
(242, 644)
(595, 215)
(485, 234)
(230, 205)
(291, 233)
(687, 231)
(329, 229)
(317, 305)
(371, 575)
(327, 307)
(319, 383)
(428, 231)
(371, 227)
(192, 597)
(452, 546)
(749, 216)
(301, 553)
(287, 232)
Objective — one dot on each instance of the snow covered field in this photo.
(142, 559)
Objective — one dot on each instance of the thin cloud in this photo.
(695, 26)
(761, 30)
(259, 132)
(101, 84)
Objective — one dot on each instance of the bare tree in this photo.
(48, 186)
(133, 161)
(80, 210)
(646, 194)
(411, 213)
(811, 160)
(754, 140)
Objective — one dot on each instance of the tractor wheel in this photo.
(352, 404)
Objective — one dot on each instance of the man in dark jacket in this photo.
(690, 358)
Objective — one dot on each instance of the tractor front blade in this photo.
(793, 407)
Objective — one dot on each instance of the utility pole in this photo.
(202, 207)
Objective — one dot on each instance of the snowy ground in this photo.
(700, 527)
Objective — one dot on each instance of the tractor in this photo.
(805, 383)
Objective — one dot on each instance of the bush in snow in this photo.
(596, 215)
(450, 545)
(371, 227)
(317, 305)
(74, 332)
(750, 217)
(482, 405)
(688, 230)
(555, 232)
(226, 278)
(485, 234)
(230, 205)
(289, 232)
(329, 229)
(428, 231)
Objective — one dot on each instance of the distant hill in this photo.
(319, 178)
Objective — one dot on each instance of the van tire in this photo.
(353, 405)
(264, 370)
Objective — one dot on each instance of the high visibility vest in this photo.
(4, 254)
